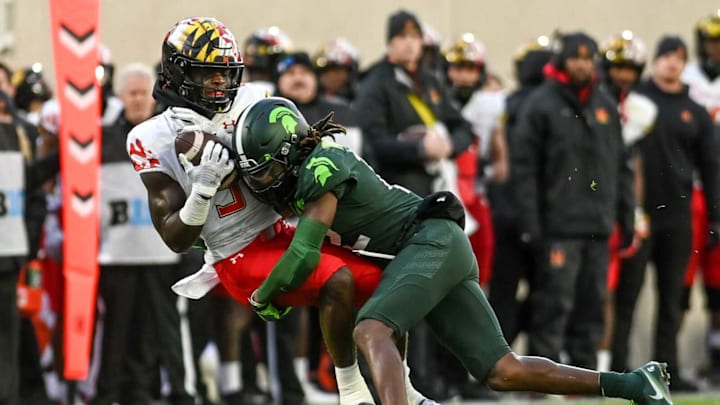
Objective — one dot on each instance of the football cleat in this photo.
(656, 384)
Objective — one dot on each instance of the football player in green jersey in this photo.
(430, 272)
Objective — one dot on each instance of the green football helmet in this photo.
(267, 143)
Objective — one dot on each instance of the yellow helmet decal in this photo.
(710, 25)
(204, 40)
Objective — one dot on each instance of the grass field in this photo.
(709, 399)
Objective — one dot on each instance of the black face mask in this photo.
(463, 93)
(711, 68)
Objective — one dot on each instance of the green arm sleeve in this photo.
(297, 263)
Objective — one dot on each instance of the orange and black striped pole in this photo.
(75, 46)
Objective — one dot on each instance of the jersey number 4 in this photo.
(236, 205)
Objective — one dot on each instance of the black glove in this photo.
(713, 236)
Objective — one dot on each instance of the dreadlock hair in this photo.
(281, 197)
(324, 127)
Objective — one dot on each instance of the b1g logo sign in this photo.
(12, 203)
(133, 212)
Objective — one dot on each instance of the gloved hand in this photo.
(267, 311)
(629, 243)
(201, 123)
(215, 164)
(641, 231)
(713, 236)
(190, 117)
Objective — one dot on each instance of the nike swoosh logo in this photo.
(658, 392)
(656, 396)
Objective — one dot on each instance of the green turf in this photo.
(707, 399)
(677, 400)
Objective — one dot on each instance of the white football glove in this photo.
(215, 164)
(192, 118)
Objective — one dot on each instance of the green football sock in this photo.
(621, 385)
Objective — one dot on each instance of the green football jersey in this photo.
(371, 214)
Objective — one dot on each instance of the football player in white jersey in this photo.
(703, 74)
(487, 160)
(703, 78)
(200, 81)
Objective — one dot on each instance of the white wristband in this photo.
(195, 210)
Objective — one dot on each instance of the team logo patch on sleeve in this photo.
(602, 116)
(142, 158)
(322, 169)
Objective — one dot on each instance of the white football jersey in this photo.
(484, 111)
(702, 90)
(235, 218)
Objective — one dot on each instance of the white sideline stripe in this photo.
(271, 339)
(187, 351)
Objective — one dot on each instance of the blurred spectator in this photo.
(405, 112)
(465, 60)
(702, 75)
(297, 81)
(23, 208)
(680, 142)
(112, 107)
(513, 260)
(486, 161)
(260, 54)
(622, 61)
(432, 59)
(483, 162)
(337, 64)
(572, 182)
(31, 91)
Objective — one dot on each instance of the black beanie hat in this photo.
(573, 45)
(397, 21)
(669, 44)
(292, 59)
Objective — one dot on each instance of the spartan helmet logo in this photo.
(287, 118)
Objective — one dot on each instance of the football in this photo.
(192, 142)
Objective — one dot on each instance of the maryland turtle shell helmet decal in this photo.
(708, 28)
(202, 64)
(624, 49)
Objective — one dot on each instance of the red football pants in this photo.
(242, 273)
(708, 261)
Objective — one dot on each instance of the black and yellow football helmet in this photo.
(195, 50)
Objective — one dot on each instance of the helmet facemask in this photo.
(272, 172)
(267, 144)
(202, 65)
(197, 86)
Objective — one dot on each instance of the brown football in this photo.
(192, 142)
